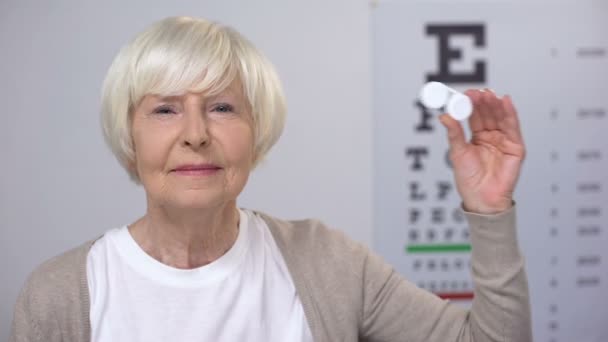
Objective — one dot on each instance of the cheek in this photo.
(240, 154)
(240, 150)
(237, 150)
(151, 149)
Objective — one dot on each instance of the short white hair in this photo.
(183, 54)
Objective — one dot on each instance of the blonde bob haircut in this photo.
(182, 54)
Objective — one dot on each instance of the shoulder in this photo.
(312, 236)
(54, 296)
(329, 269)
(56, 283)
(318, 251)
(60, 271)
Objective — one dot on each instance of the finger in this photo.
(456, 137)
(492, 91)
(486, 111)
(510, 121)
(475, 119)
(496, 108)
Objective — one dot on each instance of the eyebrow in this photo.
(228, 92)
(225, 92)
(163, 98)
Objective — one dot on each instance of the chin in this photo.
(198, 200)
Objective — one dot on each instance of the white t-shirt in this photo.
(245, 295)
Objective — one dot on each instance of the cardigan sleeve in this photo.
(25, 321)
(394, 309)
(54, 304)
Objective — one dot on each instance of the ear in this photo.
(253, 163)
(132, 166)
(132, 162)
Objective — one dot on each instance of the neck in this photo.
(187, 238)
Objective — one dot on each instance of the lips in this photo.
(197, 169)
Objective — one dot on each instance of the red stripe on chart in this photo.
(455, 295)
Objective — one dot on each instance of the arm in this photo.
(24, 327)
(397, 310)
(53, 304)
(486, 170)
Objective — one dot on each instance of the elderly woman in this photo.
(189, 109)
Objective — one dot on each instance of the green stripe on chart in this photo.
(439, 248)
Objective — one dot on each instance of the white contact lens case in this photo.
(436, 95)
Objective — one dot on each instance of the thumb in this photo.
(456, 137)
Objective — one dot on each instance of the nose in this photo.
(195, 130)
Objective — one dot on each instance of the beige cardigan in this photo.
(348, 293)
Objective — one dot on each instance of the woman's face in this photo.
(193, 151)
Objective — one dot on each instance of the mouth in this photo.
(197, 170)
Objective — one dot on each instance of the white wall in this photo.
(60, 186)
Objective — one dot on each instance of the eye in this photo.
(163, 110)
(223, 108)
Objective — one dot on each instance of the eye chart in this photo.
(553, 60)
